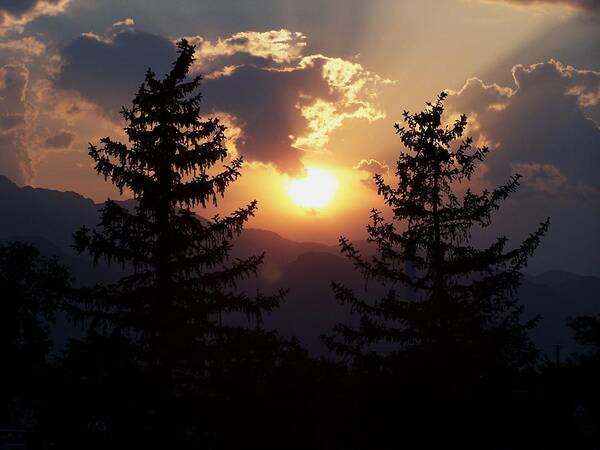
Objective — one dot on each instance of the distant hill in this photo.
(311, 309)
(279, 251)
(556, 299)
(553, 277)
(45, 213)
(52, 217)
(48, 218)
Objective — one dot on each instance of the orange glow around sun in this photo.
(315, 191)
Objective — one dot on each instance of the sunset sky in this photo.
(314, 87)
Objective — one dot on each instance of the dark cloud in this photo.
(541, 120)
(108, 70)
(62, 140)
(283, 102)
(265, 104)
(9, 121)
(17, 7)
(286, 102)
(15, 14)
(540, 128)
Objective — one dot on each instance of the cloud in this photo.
(370, 168)
(284, 103)
(13, 81)
(286, 113)
(109, 68)
(275, 48)
(16, 14)
(544, 119)
(263, 104)
(287, 103)
(14, 160)
(60, 125)
(541, 127)
(541, 177)
(356, 88)
(29, 46)
(589, 7)
(41, 124)
(61, 140)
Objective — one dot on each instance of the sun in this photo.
(316, 190)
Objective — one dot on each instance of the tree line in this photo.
(442, 360)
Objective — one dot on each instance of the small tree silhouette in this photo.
(183, 281)
(584, 374)
(587, 331)
(463, 316)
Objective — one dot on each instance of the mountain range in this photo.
(48, 218)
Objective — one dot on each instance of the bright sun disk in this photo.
(316, 190)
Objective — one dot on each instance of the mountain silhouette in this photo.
(553, 277)
(47, 218)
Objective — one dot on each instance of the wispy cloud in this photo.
(370, 168)
(578, 5)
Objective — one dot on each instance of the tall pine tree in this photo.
(182, 281)
(450, 306)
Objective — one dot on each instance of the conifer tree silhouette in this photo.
(462, 316)
(33, 288)
(183, 280)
